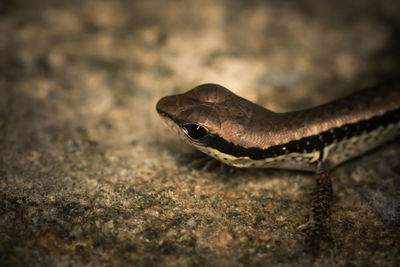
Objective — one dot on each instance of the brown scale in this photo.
(241, 133)
(249, 125)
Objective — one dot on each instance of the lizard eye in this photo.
(195, 131)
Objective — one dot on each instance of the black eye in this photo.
(195, 131)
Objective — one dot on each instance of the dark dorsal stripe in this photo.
(306, 144)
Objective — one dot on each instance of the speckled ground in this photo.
(90, 175)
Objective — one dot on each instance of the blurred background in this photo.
(90, 175)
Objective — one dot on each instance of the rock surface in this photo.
(90, 175)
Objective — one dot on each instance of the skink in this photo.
(243, 134)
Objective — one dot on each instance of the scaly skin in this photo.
(243, 134)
